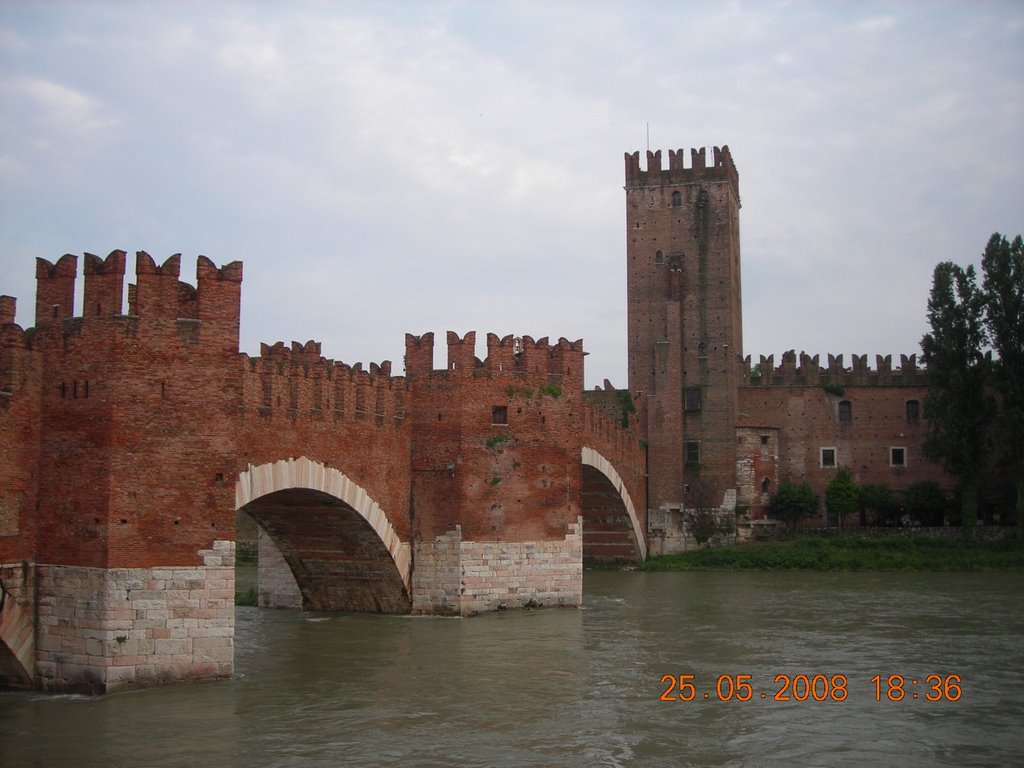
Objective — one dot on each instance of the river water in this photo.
(567, 687)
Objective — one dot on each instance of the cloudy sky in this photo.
(431, 166)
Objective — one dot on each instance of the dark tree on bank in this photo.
(957, 407)
(1002, 267)
(793, 501)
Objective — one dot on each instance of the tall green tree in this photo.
(841, 495)
(1002, 267)
(957, 406)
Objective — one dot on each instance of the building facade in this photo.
(719, 431)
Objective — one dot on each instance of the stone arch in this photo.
(591, 458)
(304, 473)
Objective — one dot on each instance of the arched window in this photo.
(677, 199)
(659, 258)
(913, 411)
(845, 410)
(765, 485)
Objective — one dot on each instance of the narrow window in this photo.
(692, 452)
(499, 414)
(913, 411)
(764, 439)
(677, 199)
(693, 398)
(702, 350)
(765, 485)
(897, 457)
(659, 258)
(845, 410)
(828, 457)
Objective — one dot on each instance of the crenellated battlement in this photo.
(157, 297)
(722, 168)
(806, 370)
(14, 349)
(507, 354)
(297, 380)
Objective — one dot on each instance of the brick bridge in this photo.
(130, 440)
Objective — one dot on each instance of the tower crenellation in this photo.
(722, 168)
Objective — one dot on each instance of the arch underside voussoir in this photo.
(338, 542)
(611, 527)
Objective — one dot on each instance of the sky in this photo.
(392, 167)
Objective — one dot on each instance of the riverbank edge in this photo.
(896, 553)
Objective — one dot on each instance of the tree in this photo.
(841, 495)
(878, 501)
(957, 406)
(1002, 267)
(793, 501)
(925, 502)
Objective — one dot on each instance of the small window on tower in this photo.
(659, 258)
(677, 199)
(499, 414)
(692, 452)
(913, 411)
(693, 398)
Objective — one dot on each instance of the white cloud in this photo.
(63, 108)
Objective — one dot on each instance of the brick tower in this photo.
(685, 321)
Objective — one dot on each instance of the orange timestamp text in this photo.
(810, 688)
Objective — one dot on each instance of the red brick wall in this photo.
(500, 482)
(20, 377)
(805, 418)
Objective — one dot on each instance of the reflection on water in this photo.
(581, 687)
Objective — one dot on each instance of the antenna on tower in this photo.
(648, 136)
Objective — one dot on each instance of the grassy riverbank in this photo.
(896, 553)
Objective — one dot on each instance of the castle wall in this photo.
(860, 413)
(496, 443)
(116, 388)
(20, 382)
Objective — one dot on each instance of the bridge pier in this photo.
(455, 577)
(100, 629)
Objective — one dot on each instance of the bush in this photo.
(793, 501)
(879, 502)
(925, 503)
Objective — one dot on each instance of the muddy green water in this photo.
(570, 687)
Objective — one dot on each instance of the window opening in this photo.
(913, 411)
(692, 451)
(693, 401)
(828, 457)
(499, 414)
(897, 457)
(845, 410)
